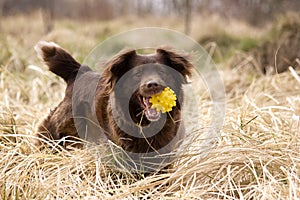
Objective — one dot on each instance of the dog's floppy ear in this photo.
(59, 61)
(175, 60)
(119, 65)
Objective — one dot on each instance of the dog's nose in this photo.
(152, 84)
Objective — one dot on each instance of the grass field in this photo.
(256, 157)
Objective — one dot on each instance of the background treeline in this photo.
(256, 12)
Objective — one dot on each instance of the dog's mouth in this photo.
(151, 113)
(143, 94)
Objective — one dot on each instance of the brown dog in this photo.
(117, 107)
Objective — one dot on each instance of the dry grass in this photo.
(257, 156)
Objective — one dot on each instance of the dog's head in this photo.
(142, 76)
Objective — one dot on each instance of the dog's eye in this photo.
(138, 73)
(161, 72)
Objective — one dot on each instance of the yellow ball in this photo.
(164, 101)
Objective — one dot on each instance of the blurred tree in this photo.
(1, 7)
(183, 8)
(187, 18)
(255, 12)
(95, 9)
(145, 7)
(48, 14)
(9, 7)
